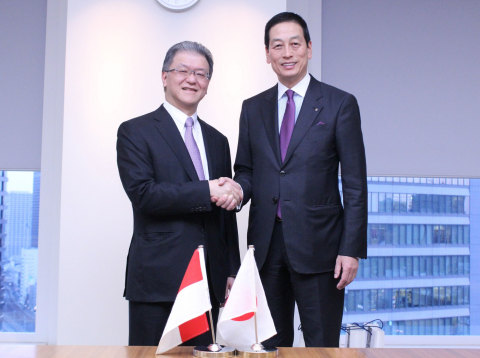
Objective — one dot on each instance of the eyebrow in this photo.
(291, 38)
(188, 67)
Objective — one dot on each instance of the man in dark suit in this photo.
(168, 161)
(307, 244)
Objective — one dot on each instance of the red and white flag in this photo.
(236, 326)
(188, 317)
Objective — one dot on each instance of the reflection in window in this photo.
(417, 234)
(417, 203)
(400, 298)
(443, 326)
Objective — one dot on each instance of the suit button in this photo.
(275, 200)
(282, 172)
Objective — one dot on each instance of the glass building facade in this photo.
(423, 238)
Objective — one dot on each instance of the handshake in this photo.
(225, 192)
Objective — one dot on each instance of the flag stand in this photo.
(257, 349)
(214, 349)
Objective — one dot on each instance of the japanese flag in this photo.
(236, 325)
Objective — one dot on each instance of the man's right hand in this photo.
(225, 192)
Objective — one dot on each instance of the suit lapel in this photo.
(269, 114)
(311, 107)
(169, 132)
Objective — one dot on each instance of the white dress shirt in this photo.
(179, 118)
(300, 90)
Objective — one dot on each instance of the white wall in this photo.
(113, 54)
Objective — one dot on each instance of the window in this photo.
(19, 202)
(417, 277)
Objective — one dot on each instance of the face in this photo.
(288, 52)
(185, 93)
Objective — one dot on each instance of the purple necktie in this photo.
(287, 124)
(286, 131)
(193, 148)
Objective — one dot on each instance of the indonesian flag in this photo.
(188, 317)
(236, 326)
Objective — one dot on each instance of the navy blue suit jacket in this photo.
(327, 134)
(172, 212)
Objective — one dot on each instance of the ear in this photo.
(164, 79)
(267, 54)
(309, 50)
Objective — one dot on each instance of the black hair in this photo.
(286, 17)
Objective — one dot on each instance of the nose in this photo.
(191, 78)
(287, 52)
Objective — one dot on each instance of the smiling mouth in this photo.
(189, 89)
(288, 64)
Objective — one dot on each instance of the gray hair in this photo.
(188, 46)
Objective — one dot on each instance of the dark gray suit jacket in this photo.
(172, 212)
(316, 226)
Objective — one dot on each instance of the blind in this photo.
(414, 68)
(22, 45)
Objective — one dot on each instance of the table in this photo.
(53, 351)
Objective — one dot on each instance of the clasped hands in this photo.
(225, 193)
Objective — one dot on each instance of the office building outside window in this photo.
(423, 240)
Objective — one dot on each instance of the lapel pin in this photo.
(316, 109)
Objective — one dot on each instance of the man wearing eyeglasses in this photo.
(169, 162)
(293, 138)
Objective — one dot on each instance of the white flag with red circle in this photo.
(188, 317)
(236, 325)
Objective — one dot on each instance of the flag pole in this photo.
(213, 349)
(256, 330)
(257, 347)
(214, 346)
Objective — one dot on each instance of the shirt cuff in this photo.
(239, 206)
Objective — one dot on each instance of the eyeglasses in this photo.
(199, 74)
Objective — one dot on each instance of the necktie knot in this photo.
(189, 122)
(289, 94)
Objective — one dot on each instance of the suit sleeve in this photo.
(146, 192)
(243, 162)
(350, 147)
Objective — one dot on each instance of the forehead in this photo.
(190, 59)
(285, 31)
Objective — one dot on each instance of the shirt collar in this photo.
(300, 88)
(178, 116)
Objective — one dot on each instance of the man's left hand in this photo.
(346, 268)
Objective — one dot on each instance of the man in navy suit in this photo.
(169, 162)
(307, 244)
